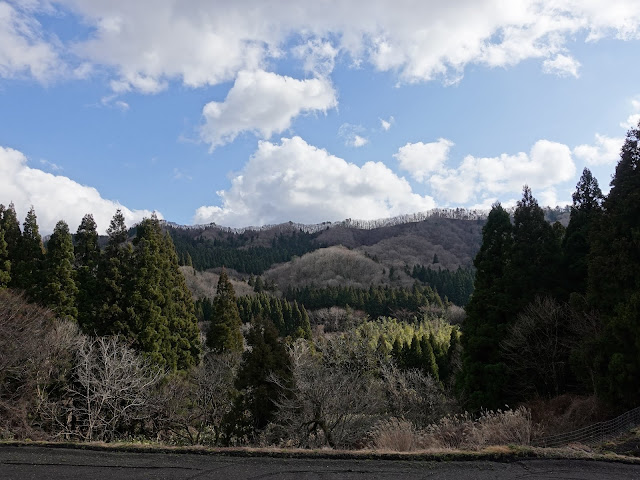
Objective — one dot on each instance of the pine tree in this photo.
(224, 334)
(87, 260)
(614, 280)
(59, 292)
(484, 374)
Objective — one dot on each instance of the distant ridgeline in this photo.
(253, 250)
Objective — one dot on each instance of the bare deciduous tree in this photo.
(334, 400)
(191, 408)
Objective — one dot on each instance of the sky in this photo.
(247, 113)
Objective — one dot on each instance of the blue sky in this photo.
(252, 112)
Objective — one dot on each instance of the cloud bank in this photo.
(55, 197)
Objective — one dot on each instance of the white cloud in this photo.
(561, 65)
(263, 103)
(420, 159)
(295, 181)
(50, 165)
(605, 151)
(547, 164)
(351, 135)
(23, 50)
(318, 56)
(55, 197)
(149, 43)
(386, 124)
(631, 121)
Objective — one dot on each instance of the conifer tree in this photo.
(614, 280)
(12, 235)
(5, 263)
(30, 256)
(585, 212)
(267, 356)
(484, 373)
(87, 260)
(224, 333)
(59, 292)
(536, 255)
(114, 275)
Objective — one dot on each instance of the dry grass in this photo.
(396, 435)
(508, 427)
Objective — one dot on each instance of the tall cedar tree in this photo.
(614, 280)
(87, 259)
(5, 264)
(59, 289)
(535, 257)
(484, 374)
(267, 356)
(585, 212)
(29, 262)
(12, 235)
(114, 274)
(224, 334)
(162, 323)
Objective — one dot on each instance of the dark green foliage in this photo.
(267, 356)
(236, 251)
(419, 353)
(376, 301)
(162, 323)
(585, 212)
(5, 263)
(28, 264)
(60, 291)
(290, 319)
(87, 259)
(484, 373)
(12, 235)
(614, 280)
(457, 285)
(535, 257)
(224, 333)
(115, 274)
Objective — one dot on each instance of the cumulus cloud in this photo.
(547, 164)
(55, 197)
(351, 134)
(263, 103)
(209, 43)
(562, 65)
(420, 159)
(295, 181)
(605, 151)
(23, 50)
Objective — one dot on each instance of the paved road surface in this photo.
(59, 463)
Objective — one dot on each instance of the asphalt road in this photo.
(60, 463)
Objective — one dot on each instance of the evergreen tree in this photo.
(87, 260)
(484, 374)
(585, 212)
(536, 255)
(30, 256)
(12, 235)
(5, 264)
(114, 275)
(224, 333)
(614, 280)
(267, 356)
(180, 310)
(59, 292)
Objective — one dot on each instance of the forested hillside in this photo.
(338, 337)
